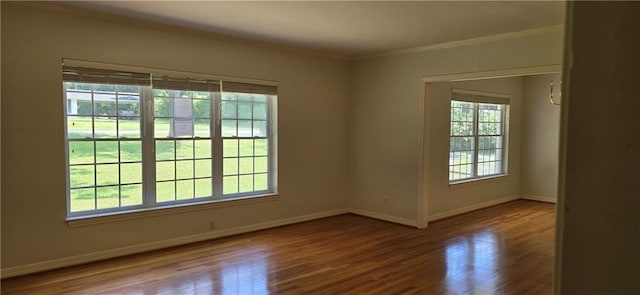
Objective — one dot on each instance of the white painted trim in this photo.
(385, 217)
(423, 180)
(90, 257)
(539, 198)
(423, 198)
(473, 207)
(81, 221)
(537, 70)
(460, 43)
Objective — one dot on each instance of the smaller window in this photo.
(478, 137)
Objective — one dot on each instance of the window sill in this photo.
(474, 180)
(82, 221)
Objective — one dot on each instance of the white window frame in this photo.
(477, 98)
(148, 145)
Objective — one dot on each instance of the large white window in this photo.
(144, 140)
(478, 137)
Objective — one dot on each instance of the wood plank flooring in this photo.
(506, 249)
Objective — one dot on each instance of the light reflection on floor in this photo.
(471, 263)
(247, 277)
(245, 273)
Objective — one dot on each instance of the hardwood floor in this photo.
(507, 249)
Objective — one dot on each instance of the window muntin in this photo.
(477, 139)
(114, 166)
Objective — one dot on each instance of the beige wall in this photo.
(385, 146)
(540, 138)
(444, 197)
(313, 100)
(349, 132)
(598, 241)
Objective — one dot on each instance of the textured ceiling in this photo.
(347, 28)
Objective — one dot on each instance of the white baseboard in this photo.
(90, 257)
(470, 208)
(385, 217)
(539, 198)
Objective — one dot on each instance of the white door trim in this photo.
(423, 182)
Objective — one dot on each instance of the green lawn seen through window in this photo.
(241, 156)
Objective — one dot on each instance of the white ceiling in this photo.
(347, 28)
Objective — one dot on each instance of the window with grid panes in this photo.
(477, 136)
(245, 114)
(139, 140)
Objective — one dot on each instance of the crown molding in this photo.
(460, 43)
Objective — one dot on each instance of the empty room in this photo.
(320, 147)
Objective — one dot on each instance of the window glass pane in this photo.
(165, 170)
(229, 128)
(244, 110)
(104, 105)
(128, 104)
(165, 150)
(203, 148)
(229, 110)
(82, 199)
(260, 129)
(260, 98)
(201, 108)
(105, 127)
(261, 147)
(489, 129)
(131, 173)
(230, 185)
(244, 128)
(461, 128)
(184, 169)
(229, 96)
(230, 166)
(107, 174)
(184, 149)
(79, 127)
(230, 148)
(162, 128)
(201, 94)
(131, 194)
(203, 168)
(245, 183)
(244, 97)
(261, 164)
(108, 197)
(80, 176)
(107, 152)
(202, 128)
(165, 191)
(129, 127)
(260, 111)
(203, 188)
(162, 105)
(80, 152)
(261, 182)
(130, 151)
(184, 189)
(246, 147)
(78, 100)
(246, 165)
